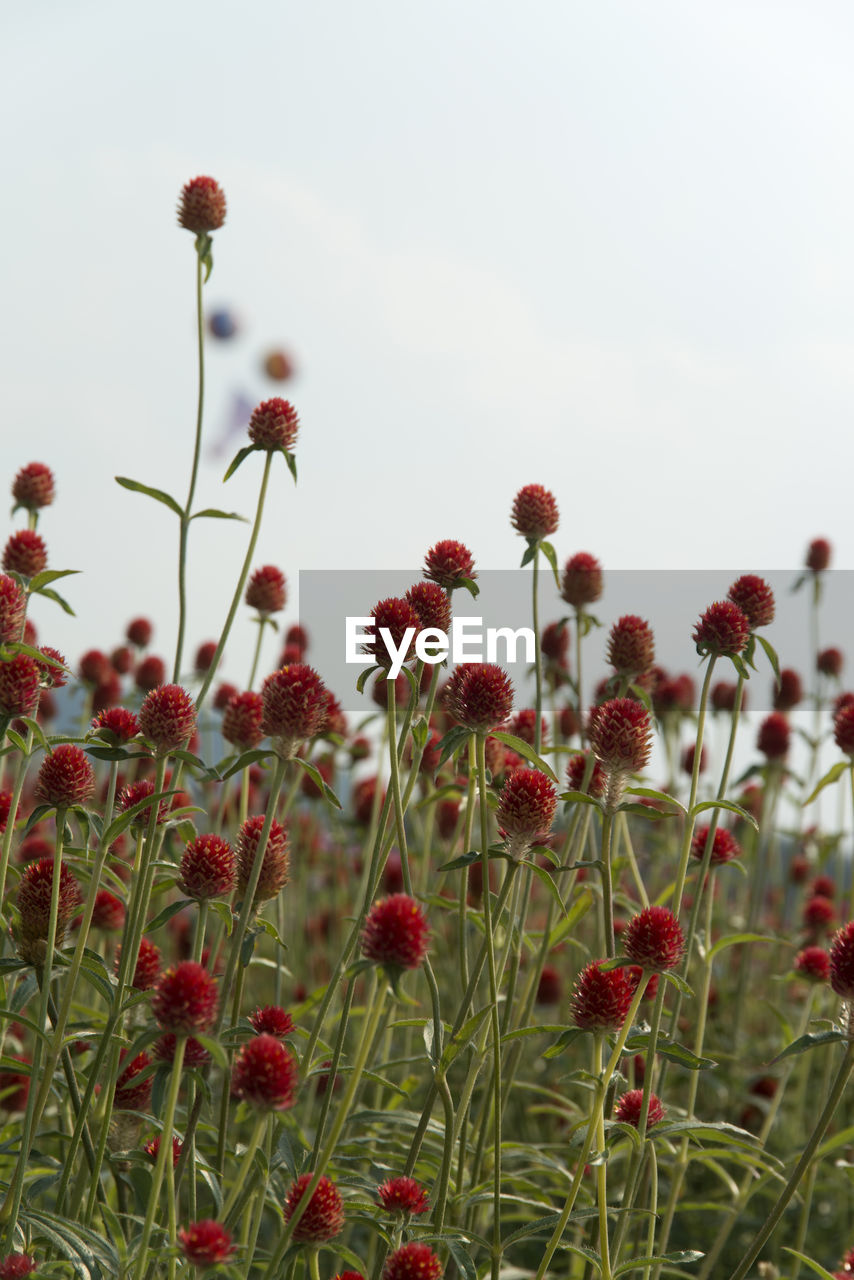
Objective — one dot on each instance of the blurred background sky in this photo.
(606, 247)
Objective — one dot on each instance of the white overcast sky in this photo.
(602, 246)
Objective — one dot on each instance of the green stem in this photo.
(185, 514)
(164, 1154)
(493, 1009)
(538, 656)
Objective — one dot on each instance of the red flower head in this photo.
(773, 737)
(34, 894)
(654, 940)
(265, 1074)
(208, 868)
(549, 986)
(139, 632)
(109, 912)
(526, 809)
(725, 847)
(813, 963)
(134, 794)
(754, 598)
(295, 706)
(535, 513)
(523, 725)
(842, 962)
(397, 616)
(323, 1219)
(276, 863)
(5, 808)
(431, 604)
(52, 676)
(722, 630)
(241, 720)
(723, 696)
(272, 1020)
(25, 554)
(266, 590)
(395, 933)
(818, 555)
(582, 580)
(205, 1243)
(843, 729)
(150, 673)
(830, 662)
(480, 696)
(631, 646)
(195, 1053)
(185, 998)
(65, 777)
(449, 563)
(152, 1149)
(601, 998)
(16, 1266)
(554, 643)
(20, 684)
(132, 1094)
(620, 739)
(205, 655)
(628, 1109)
(819, 913)
(33, 487)
(790, 692)
(147, 965)
(201, 207)
(13, 607)
(274, 425)
(167, 718)
(575, 771)
(403, 1195)
(413, 1261)
(117, 725)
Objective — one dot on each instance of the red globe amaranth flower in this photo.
(241, 720)
(16, 1266)
(134, 794)
(450, 564)
(631, 646)
(225, 692)
(208, 868)
(813, 963)
(13, 608)
(790, 691)
(295, 707)
(843, 729)
(654, 939)
(205, 1243)
(201, 207)
(773, 737)
(276, 860)
(132, 1094)
(526, 809)
(554, 643)
(150, 673)
(396, 616)
(524, 723)
(34, 895)
(480, 696)
(582, 580)
(628, 1109)
(818, 555)
(842, 962)
(265, 1074)
(205, 655)
(432, 605)
(271, 1020)
(725, 847)
(577, 767)
(830, 662)
(672, 693)
(413, 1261)
(754, 598)
(323, 1219)
(152, 1149)
(33, 487)
(139, 632)
(53, 670)
(195, 1053)
(601, 998)
(266, 590)
(722, 630)
(620, 739)
(723, 696)
(147, 965)
(108, 913)
(167, 718)
(403, 1195)
(185, 998)
(116, 725)
(25, 554)
(274, 425)
(20, 685)
(535, 513)
(65, 777)
(395, 933)
(5, 808)
(549, 986)
(819, 913)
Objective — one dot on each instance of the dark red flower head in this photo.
(323, 1219)
(13, 607)
(274, 425)
(413, 1261)
(20, 685)
(25, 554)
(480, 696)
(276, 860)
(34, 895)
(266, 590)
(117, 725)
(139, 632)
(722, 630)
(725, 847)
(620, 736)
(167, 718)
(205, 1243)
(818, 555)
(813, 963)
(830, 662)
(723, 696)
(150, 673)
(843, 729)
(53, 676)
(396, 616)
(582, 580)
(16, 1266)
(147, 965)
(195, 1053)
(295, 706)
(130, 1096)
(265, 1074)
(395, 933)
(449, 563)
(631, 646)
(271, 1020)
(33, 486)
(554, 643)
(208, 868)
(65, 777)
(819, 913)
(754, 598)
(535, 513)
(773, 737)
(241, 720)
(601, 998)
(790, 691)
(432, 605)
(201, 207)
(152, 1149)
(526, 809)
(629, 1105)
(403, 1195)
(524, 726)
(575, 771)
(842, 962)
(109, 912)
(654, 939)
(185, 998)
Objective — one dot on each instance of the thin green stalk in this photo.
(186, 513)
(256, 657)
(538, 655)
(245, 1174)
(164, 1154)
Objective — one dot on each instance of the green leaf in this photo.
(157, 494)
(239, 457)
(639, 1040)
(580, 797)
(363, 675)
(42, 579)
(811, 1040)
(462, 860)
(470, 585)
(814, 1266)
(50, 594)
(212, 513)
(679, 1256)
(524, 749)
(316, 777)
(770, 654)
(255, 756)
(650, 793)
(166, 914)
(463, 1037)
(462, 1258)
(676, 981)
(835, 771)
(453, 742)
(545, 878)
(215, 1049)
(292, 464)
(729, 805)
(537, 1227)
(564, 1040)
(551, 555)
(732, 939)
(529, 553)
(645, 811)
(716, 1131)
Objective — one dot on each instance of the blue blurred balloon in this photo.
(222, 325)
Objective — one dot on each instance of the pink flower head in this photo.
(480, 696)
(276, 861)
(65, 777)
(20, 684)
(53, 676)
(147, 965)
(582, 580)
(524, 726)
(33, 486)
(13, 607)
(601, 998)
(403, 1195)
(266, 590)
(265, 1074)
(654, 939)
(395, 933)
(628, 1109)
(526, 809)
(205, 1243)
(449, 563)
(535, 513)
(274, 425)
(413, 1261)
(754, 598)
(201, 207)
(185, 998)
(167, 718)
(323, 1219)
(25, 554)
(722, 630)
(295, 706)
(208, 868)
(631, 646)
